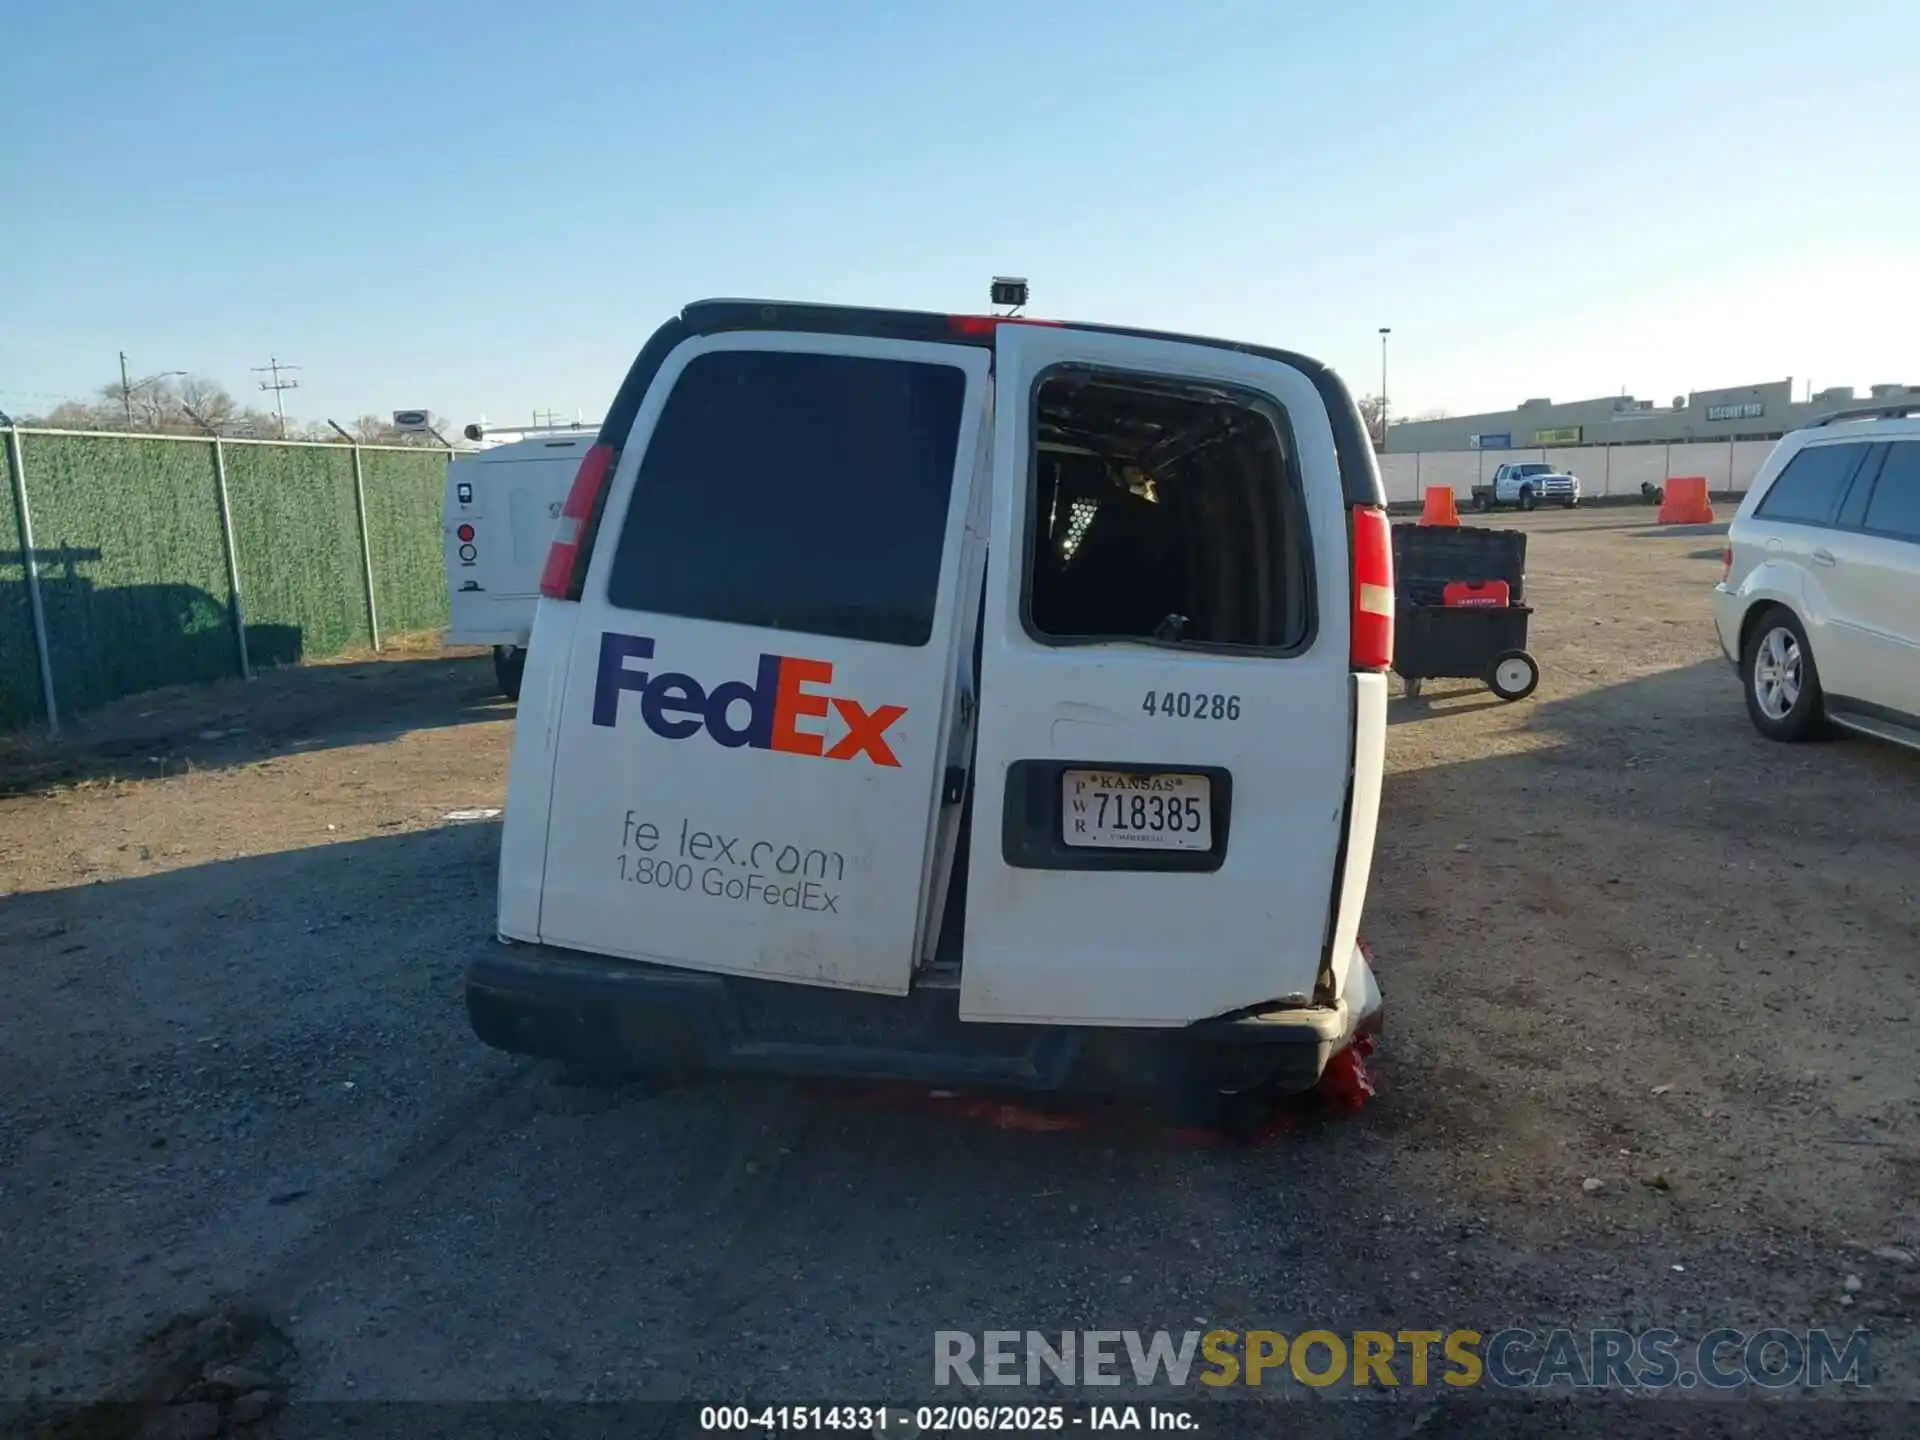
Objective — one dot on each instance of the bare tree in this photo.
(196, 405)
(160, 406)
(1370, 415)
(74, 415)
(371, 429)
(207, 399)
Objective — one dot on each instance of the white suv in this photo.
(1819, 608)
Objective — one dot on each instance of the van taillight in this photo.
(987, 324)
(1372, 589)
(1726, 564)
(565, 571)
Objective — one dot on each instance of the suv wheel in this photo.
(1782, 684)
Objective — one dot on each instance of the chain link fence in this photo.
(128, 562)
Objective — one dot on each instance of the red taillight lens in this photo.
(465, 532)
(565, 570)
(986, 324)
(1372, 589)
(1726, 563)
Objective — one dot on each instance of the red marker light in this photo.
(465, 532)
(987, 324)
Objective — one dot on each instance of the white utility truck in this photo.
(973, 700)
(498, 518)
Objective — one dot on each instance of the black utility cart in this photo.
(1433, 640)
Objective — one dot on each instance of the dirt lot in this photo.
(1623, 940)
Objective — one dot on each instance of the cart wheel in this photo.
(1513, 675)
(1412, 689)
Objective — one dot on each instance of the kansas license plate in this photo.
(1103, 810)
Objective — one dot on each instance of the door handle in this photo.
(1823, 557)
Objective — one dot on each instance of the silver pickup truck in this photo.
(1527, 484)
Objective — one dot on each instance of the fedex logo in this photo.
(764, 714)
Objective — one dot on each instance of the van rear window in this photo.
(796, 491)
(1165, 510)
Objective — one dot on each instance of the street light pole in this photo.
(127, 388)
(1385, 330)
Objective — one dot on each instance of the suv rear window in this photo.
(1895, 507)
(1809, 489)
(796, 491)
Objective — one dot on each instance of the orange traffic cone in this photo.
(1686, 502)
(1438, 508)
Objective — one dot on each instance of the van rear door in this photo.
(523, 486)
(1167, 712)
(761, 686)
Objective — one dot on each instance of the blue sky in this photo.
(486, 207)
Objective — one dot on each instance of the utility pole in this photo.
(126, 390)
(277, 385)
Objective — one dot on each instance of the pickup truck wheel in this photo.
(1513, 675)
(1571, 503)
(1480, 503)
(509, 663)
(1526, 497)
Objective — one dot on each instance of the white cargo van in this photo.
(972, 700)
(501, 506)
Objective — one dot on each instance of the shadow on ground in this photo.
(235, 722)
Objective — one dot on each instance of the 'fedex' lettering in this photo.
(784, 694)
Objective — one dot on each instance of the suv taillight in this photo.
(565, 571)
(1726, 564)
(1372, 589)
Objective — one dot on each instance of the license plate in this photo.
(1104, 811)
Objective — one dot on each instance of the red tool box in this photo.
(1490, 593)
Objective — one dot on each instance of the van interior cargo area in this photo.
(1164, 512)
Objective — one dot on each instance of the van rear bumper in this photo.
(624, 1015)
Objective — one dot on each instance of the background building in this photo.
(1740, 412)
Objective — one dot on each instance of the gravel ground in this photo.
(1623, 941)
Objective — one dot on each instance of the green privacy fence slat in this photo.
(133, 574)
(405, 493)
(20, 702)
(297, 539)
(127, 532)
